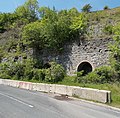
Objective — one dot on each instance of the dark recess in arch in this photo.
(86, 67)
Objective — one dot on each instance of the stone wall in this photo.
(94, 51)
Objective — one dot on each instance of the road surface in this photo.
(19, 103)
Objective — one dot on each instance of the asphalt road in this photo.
(19, 103)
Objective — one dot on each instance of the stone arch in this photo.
(86, 67)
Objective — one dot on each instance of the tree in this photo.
(73, 12)
(43, 11)
(29, 10)
(6, 20)
(32, 6)
(22, 11)
(47, 13)
(106, 7)
(86, 8)
(53, 30)
(78, 25)
(32, 35)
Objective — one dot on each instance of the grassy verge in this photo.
(113, 87)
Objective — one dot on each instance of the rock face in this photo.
(81, 55)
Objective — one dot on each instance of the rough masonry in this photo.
(81, 55)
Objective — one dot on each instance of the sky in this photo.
(11, 5)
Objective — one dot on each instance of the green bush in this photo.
(106, 8)
(104, 74)
(53, 30)
(55, 73)
(108, 29)
(18, 70)
(115, 50)
(4, 70)
(27, 70)
(107, 74)
(11, 70)
(80, 74)
(89, 78)
(39, 75)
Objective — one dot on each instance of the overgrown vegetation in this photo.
(106, 8)
(29, 70)
(101, 75)
(106, 74)
(53, 30)
(45, 28)
(31, 29)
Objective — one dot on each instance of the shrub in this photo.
(55, 73)
(10, 70)
(108, 29)
(106, 8)
(89, 78)
(4, 69)
(39, 75)
(107, 74)
(18, 70)
(27, 70)
(115, 50)
(104, 74)
(79, 74)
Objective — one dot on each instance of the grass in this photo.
(113, 87)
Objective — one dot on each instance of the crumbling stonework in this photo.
(94, 51)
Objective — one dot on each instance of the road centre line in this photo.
(19, 101)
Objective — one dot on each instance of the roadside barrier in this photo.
(102, 96)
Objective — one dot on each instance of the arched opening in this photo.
(86, 67)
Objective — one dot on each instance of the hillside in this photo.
(100, 22)
(28, 36)
(46, 45)
(99, 25)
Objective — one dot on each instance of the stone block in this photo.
(61, 89)
(92, 94)
(69, 90)
(41, 87)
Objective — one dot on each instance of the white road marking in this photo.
(12, 98)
